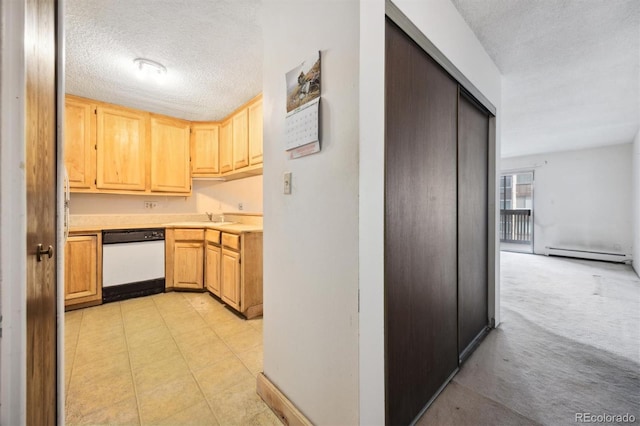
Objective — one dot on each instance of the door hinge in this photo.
(95, 181)
(95, 111)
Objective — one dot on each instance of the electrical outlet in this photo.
(150, 204)
(240, 206)
(287, 183)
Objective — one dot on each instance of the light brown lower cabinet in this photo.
(83, 271)
(231, 278)
(229, 264)
(212, 261)
(184, 259)
(241, 272)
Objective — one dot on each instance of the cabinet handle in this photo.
(40, 251)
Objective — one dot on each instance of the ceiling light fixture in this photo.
(150, 69)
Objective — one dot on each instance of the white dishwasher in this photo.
(132, 263)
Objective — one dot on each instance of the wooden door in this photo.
(204, 149)
(420, 227)
(473, 135)
(79, 142)
(121, 141)
(240, 136)
(212, 268)
(188, 264)
(82, 269)
(170, 155)
(226, 147)
(40, 171)
(255, 133)
(231, 278)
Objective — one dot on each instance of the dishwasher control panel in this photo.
(119, 236)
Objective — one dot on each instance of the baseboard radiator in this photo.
(588, 254)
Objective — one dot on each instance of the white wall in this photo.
(311, 236)
(13, 210)
(581, 199)
(441, 23)
(207, 196)
(636, 203)
(226, 196)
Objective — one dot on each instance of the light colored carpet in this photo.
(569, 342)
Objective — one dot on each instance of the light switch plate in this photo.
(287, 183)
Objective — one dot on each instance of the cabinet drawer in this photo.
(231, 240)
(212, 236)
(189, 234)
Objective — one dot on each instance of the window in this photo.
(506, 193)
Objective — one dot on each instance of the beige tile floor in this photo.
(172, 358)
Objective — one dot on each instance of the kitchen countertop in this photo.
(233, 228)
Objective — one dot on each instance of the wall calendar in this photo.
(302, 121)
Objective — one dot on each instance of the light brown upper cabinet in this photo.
(80, 142)
(170, 155)
(113, 149)
(240, 131)
(255, 133)
(121, 142)
(204, 149)
(226, 147)
(235, 151)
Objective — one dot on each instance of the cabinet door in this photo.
(231, 278)
(204, 149)
(212, 269)
(121, 152)
(79, 142)
(255, 133)
(170, 155)
(82, 270)
(226, 147)
(240, 133)
(188, 264)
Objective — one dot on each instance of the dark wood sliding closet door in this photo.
(420, 227)
(473, 135)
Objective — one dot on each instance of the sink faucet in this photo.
(219, 218)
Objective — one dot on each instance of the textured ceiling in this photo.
(571, 70)
(212, 50)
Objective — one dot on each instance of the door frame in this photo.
(512, 172)
(62, 207)
(13, 214)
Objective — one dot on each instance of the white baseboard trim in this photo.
(587, 254)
